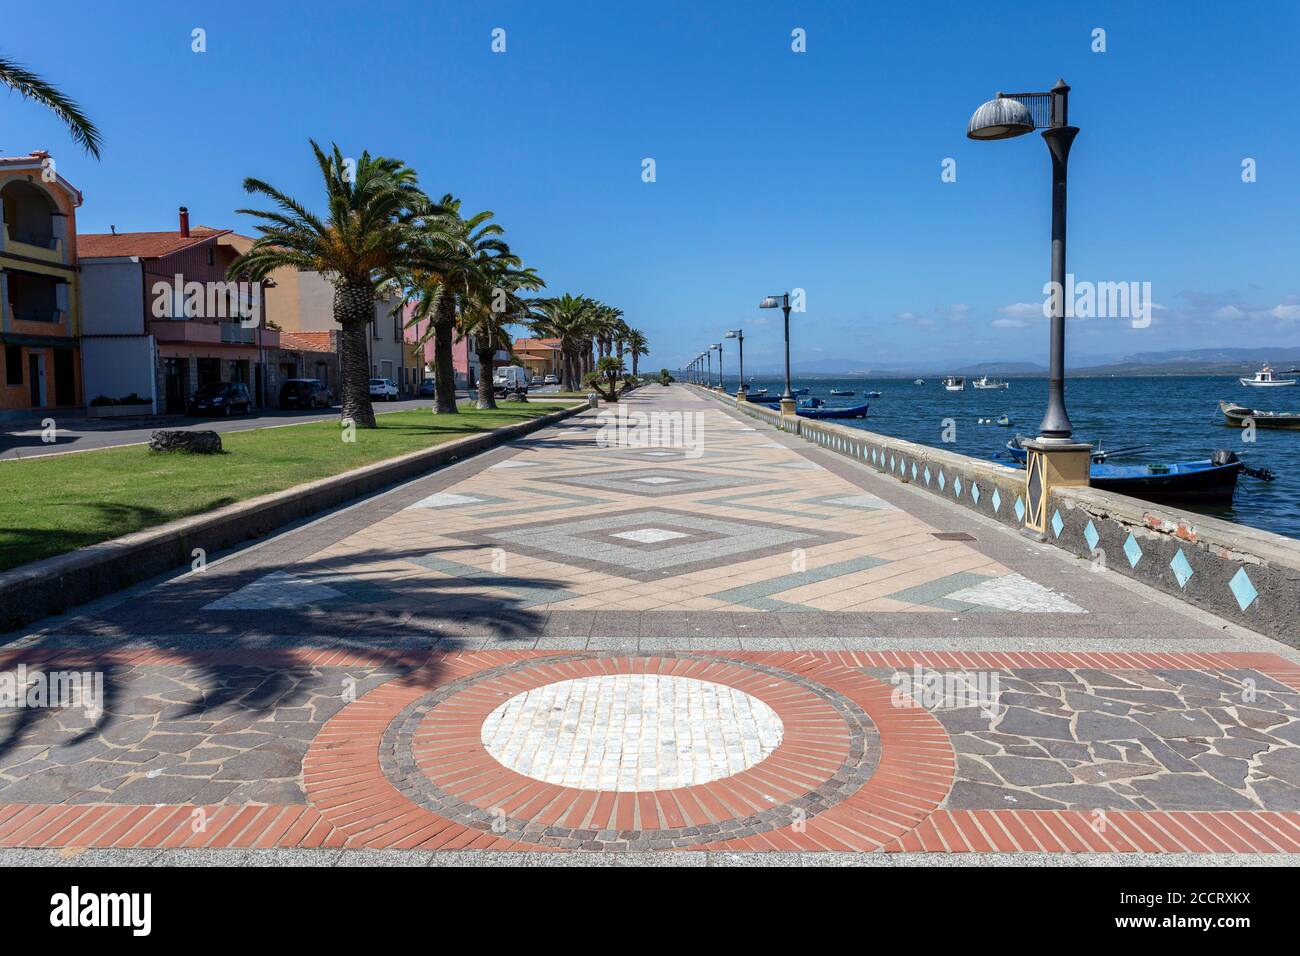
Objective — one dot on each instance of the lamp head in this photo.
(1000, 118)
(770, 302)
(732, 334)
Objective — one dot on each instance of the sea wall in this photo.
(1241, 574)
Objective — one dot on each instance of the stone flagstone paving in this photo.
(563, 646)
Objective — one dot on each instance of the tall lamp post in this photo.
(1054, 457)
(708, 357)
(739, 335)
(783, 302)
(722, 382)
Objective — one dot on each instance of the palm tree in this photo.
(437, 292)
(367, 237)
(637, 347)
(30, 86)
(489, 307)
(571, 319)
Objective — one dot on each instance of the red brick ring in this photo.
(405, 766)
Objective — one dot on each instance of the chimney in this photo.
(185, 222)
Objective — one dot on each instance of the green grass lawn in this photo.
(52, 505)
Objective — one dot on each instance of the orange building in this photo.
(39, 318)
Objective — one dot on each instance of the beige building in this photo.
(303, 301)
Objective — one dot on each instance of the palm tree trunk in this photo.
(444, 365)
(486, 396)
(634, 358)
(354, 308)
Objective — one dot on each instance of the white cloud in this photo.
(1023, 310)
(1008, 324)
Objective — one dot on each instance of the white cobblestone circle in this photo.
(631, 732)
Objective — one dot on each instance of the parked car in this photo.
(305, 393)
(427, 389)
(550, 380)
(221, 398)
(384, 389)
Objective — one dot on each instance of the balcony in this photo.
(46, 249)
(198, 332)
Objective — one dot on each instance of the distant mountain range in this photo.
(1232, 361)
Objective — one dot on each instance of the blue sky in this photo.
(818, 170)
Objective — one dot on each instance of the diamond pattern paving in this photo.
(570, 647)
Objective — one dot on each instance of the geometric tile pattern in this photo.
(1243, 589)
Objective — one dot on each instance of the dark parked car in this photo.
(305, 393)
(221, 398)
(427, 389)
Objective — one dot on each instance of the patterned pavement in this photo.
(589, 641)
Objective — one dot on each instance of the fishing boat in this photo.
(985, 382)
(1266, 378)
(954, 383)
(1237, 415)
(842, 392)
(1016, 450)
(1206, 480)
(831, 411)
(816, 408)
(919, 381)
(868, 394)
(756, 393)
(800, 391)
(1005, 421)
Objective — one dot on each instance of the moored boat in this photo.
(919, 381)
(831, 411)
(756, 393)
(954, 383)
(842, 392)
(1239, 416)
(985, 382)
(1267, 378)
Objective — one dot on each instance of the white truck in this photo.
(510, 378)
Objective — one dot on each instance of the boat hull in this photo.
(1190, 482)
(1251, 383)
(1237, 415)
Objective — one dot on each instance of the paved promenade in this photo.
(746, 646)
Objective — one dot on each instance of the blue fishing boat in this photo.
(1202, 480)
(816, 408)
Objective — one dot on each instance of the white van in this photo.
(510, 378)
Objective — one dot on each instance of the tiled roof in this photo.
(306, 341)
(526, 344)
(146, 245)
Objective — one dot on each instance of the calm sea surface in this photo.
(1177, 417)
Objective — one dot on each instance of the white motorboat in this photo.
(954, 383)
(1266, 378)
(919, 381)
(985, 382)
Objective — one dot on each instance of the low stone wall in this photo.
(47, 587)
(1239, 573)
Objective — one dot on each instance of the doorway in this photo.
(36, 378)
(174, 370)
(65, 377)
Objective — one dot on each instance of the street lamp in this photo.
(783, 302)
(1054, 458)
(708, 357)
(739, 334)
(722, 382)
(1014, 114)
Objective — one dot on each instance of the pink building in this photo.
(463, 356)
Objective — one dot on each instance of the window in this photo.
(14, 364)
(374, 329)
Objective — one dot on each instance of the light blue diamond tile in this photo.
(1057, 523)
(997, 501)
(891, 462)
(1182, 568)
(1243, 589)
(1132, 551)
(927, 474)
(1020, 509)
(975, 492)
(943, 481)
(914, 471)
(956, 486)
(873, 456)
(1091, 536)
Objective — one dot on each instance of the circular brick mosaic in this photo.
(434, 753)
(631, 732)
